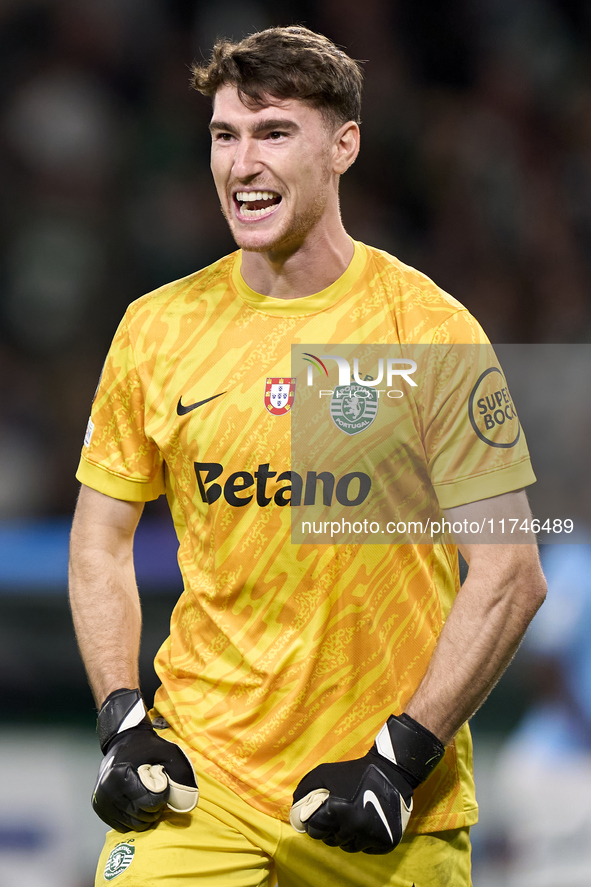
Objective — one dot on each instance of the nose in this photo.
(247, 161)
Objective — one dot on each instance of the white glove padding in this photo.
(181, 798)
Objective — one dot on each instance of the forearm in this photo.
(104, 598)
(482, 632)
(107, 621)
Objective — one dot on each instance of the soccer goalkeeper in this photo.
(311, 720)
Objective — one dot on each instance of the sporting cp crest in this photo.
(279, 395)
(353, 407)
(119, 860)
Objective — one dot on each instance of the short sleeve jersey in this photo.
(283, 655)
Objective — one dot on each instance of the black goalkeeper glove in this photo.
(365, 804)
(141, 772)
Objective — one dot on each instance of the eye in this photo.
(223, 137)
(276, 134)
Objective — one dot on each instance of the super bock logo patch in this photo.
(120, 858)
(353, 407)
(279, 395)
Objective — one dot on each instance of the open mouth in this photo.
(256, 204)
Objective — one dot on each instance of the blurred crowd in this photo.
(536, 813)
(475, 167)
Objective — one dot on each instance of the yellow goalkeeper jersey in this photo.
(289, 650)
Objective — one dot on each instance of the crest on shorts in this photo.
(353, 407)
(279, 395)
(120, 858)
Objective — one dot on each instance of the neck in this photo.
(307, 269)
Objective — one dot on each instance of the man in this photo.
(362, 658)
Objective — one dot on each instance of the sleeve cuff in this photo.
(496, 483)
(128, 489)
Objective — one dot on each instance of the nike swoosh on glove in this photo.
(141, 772)
(365, 804)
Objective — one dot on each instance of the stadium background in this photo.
(475, 167)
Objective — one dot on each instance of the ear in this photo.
(345, 146)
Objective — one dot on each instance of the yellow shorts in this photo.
(225, 842)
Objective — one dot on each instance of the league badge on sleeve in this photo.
(279, 395)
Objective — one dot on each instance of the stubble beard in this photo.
(290, 239)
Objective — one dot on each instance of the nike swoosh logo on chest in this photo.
(183, 410)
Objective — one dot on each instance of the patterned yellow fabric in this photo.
(282, 655)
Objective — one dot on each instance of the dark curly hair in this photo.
(285, 63)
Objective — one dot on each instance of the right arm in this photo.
(103, 591)
(141, 772)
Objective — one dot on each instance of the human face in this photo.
(272, 170)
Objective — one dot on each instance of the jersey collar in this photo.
(313, 304)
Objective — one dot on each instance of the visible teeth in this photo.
(253, 213)
(246, 196)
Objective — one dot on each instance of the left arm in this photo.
(365, 804)
(502, 592)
